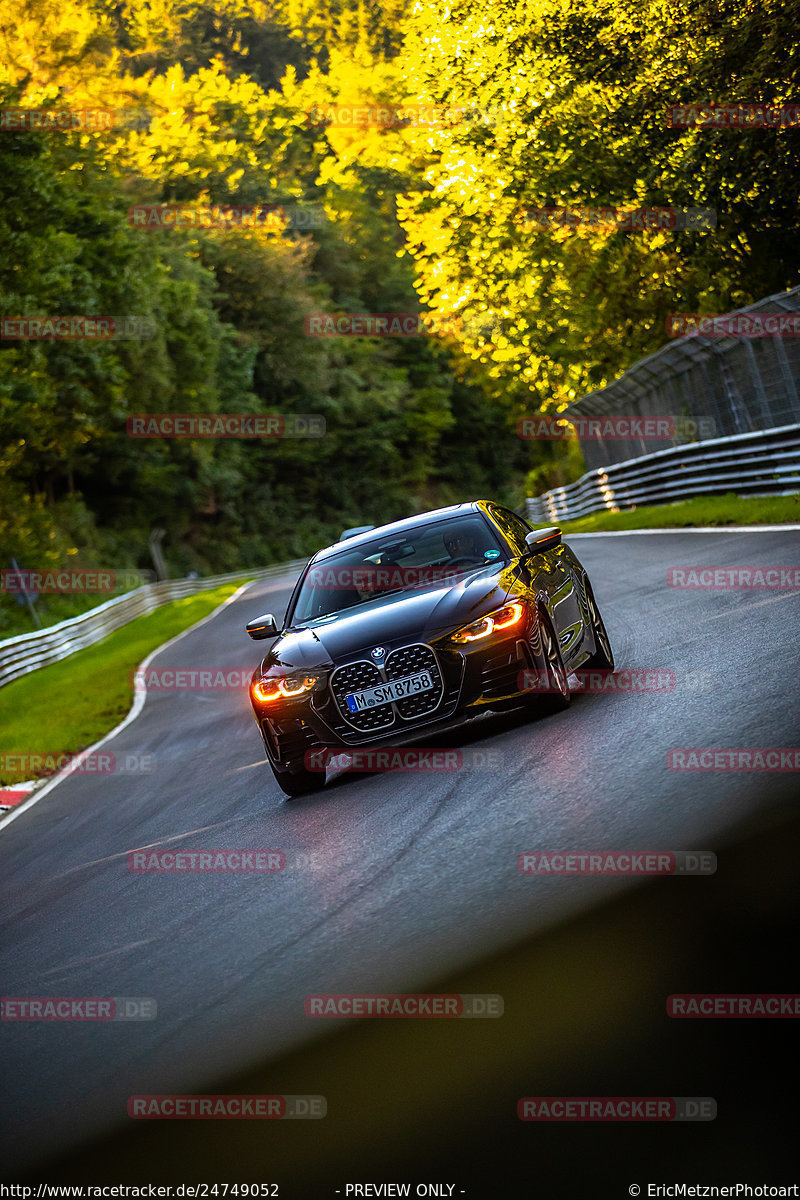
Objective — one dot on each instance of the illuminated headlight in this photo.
(502, 618)
(289, 687)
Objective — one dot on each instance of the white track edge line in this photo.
(688, 529)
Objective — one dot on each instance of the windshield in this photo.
(429, 555)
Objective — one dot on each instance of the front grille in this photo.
(409, 660)
(355, 677)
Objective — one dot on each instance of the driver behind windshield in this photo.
(462, 547)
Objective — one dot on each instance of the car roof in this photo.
(407, 523)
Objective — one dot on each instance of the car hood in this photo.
(421, 614)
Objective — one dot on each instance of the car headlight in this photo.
(501, 618)
(287, 687)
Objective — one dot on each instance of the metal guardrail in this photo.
(740, 384)
(29, 651)
(767, 461)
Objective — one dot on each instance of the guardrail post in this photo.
(157, 554)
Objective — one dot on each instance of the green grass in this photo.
(703, 510)
(63, 708)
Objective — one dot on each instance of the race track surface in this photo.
(392, 880)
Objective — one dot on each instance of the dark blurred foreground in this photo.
(424, 1102)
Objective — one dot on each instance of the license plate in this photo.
(398, 689)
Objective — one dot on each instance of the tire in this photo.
(555, 696)
(603, 656)
(300, 782)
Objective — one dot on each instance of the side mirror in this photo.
(262, 627)
(540, 540)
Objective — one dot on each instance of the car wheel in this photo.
(603, 656)
(554, 695)
(299, 782)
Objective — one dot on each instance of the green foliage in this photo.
(575, 99)
(416, 216)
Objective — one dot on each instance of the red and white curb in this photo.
(11, 796)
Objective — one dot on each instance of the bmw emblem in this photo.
(378, 652)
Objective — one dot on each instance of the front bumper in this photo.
(473, 680)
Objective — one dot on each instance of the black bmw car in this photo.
(417, 626)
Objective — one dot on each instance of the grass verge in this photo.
(702, 510)
(63, 708)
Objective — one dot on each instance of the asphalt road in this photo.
(392, 880)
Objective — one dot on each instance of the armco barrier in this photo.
(767, 461)
(741, 384)
(28, 651)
